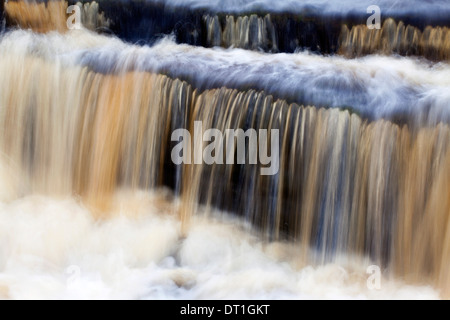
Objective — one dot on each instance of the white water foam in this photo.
(375, 86)
(53, 249)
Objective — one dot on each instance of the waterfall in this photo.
(244, 32)
(271, 32)
(363, 146)
(432, 43)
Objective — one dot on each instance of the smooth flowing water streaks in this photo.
(255, 33)
(92, 18)
(53, 15)
(432, 43)
(40, 16)
(259, 33)
(86, 140)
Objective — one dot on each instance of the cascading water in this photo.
(88, 184)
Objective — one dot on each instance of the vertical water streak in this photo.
(432, 43)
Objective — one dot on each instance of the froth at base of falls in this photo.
(52, 248)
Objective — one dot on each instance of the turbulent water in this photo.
(375, 87)
(54, 249)
(92, 205)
